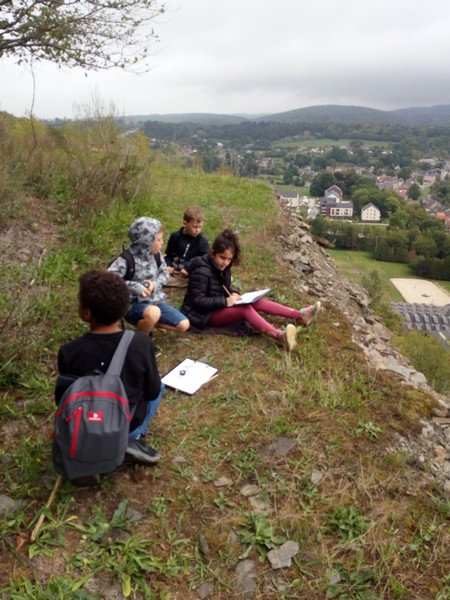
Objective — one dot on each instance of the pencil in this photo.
(227, 290)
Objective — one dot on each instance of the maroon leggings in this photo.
(250, 313)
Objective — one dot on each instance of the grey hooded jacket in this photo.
(142, 233)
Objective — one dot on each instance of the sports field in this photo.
(421, 291)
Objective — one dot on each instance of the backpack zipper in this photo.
(77, 416)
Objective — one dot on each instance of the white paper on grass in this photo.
(189, 376)
(250, 297)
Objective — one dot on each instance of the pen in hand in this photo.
(234, 296)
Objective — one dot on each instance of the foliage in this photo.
(412, 236)
(322, 182)
(428, 357)
(372, 283)
(354, 585)
(259, 533)
(347, 522)
(91, 34)
(81, 165)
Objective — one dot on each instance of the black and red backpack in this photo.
(92, 421)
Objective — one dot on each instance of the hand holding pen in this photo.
(232, 297)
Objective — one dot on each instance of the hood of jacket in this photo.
(142, 233)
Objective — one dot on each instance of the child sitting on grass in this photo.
(211, 300)
(148, 307)
(104, 299)
(185, 244)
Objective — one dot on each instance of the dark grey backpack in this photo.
(92, 421)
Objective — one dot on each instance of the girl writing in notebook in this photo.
(211, 299)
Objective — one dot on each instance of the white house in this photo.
(370, 213)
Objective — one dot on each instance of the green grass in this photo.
(357, 265)
(366, 515)
(320, 143)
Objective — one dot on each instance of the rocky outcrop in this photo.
(319, 276)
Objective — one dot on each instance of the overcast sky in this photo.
(256, 56)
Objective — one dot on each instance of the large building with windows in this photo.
(333, 206)
(370, 213)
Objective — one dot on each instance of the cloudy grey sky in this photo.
(256, 56)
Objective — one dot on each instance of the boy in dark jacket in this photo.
(185, 244)
(103, 299)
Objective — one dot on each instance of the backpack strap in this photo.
(118, 358)
(131, 266)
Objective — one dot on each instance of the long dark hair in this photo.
(228, 240)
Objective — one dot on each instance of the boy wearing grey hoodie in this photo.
(148, 307)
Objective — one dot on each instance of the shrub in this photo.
(429, 357)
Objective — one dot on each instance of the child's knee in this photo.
(183, 325)
(152, 313)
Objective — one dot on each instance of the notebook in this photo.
(189, 376)
(250, 297)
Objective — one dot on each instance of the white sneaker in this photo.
(288, 337)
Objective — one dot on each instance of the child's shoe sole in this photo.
(308, 314)
(289, 337)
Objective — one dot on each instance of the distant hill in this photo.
(332, 113)
(197, 118)
(425, 115)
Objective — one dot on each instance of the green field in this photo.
(311, 143)
(357, 265)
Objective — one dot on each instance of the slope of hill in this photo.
(424, 115)
(334, 114)
(301, 475)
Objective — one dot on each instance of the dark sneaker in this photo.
(141, 453)
(308, 314)
(157, 350)
(288, 337)
(86, 481)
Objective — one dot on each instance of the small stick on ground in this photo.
(42, 515)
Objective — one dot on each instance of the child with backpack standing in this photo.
(149, 275)
(103, 299)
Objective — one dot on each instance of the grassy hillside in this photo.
(299, 447)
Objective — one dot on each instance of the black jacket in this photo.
(94, 351)
(206, 292)
(182, 248)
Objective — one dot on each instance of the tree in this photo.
(414, 191)
(425, 246)
(321, 182)
(92, 34)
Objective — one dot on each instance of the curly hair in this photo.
(228, 240)
(105, 294)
